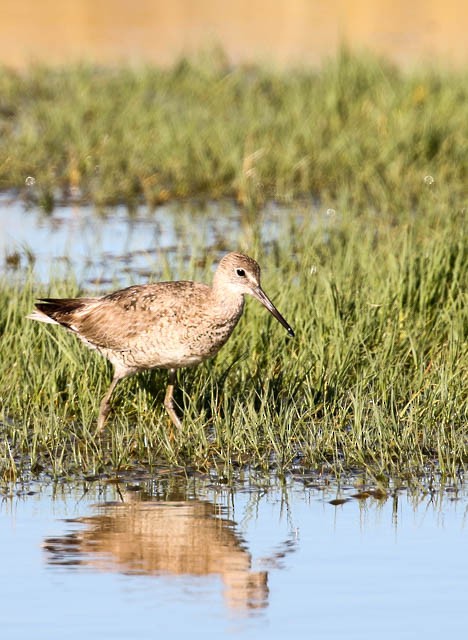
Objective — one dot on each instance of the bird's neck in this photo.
(227, 303)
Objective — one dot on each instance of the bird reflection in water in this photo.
(191, 538)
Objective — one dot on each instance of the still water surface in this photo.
(177, 557)
(115, 249)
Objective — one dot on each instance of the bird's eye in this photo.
(240, 272)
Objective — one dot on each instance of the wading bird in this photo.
(168, 325)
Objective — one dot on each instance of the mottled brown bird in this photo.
(167, 324)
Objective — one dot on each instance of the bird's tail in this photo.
(58, 310)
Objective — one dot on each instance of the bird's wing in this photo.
(115, 320)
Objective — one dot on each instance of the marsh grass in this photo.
(375, 380)
(358, 130)
(377, 376)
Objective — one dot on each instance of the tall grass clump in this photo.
(376, 378)
(358, 127)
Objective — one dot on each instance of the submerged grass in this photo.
(357, 129)
(375, 380)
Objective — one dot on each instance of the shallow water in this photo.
(115, 249)
(180, 557)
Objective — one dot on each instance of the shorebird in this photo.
(165, 325)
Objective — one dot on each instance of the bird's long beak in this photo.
(261, 296)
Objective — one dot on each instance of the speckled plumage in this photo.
(167, 324)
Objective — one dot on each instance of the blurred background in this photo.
(283, 31)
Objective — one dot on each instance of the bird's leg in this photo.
(169, 399)
(105, 406)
